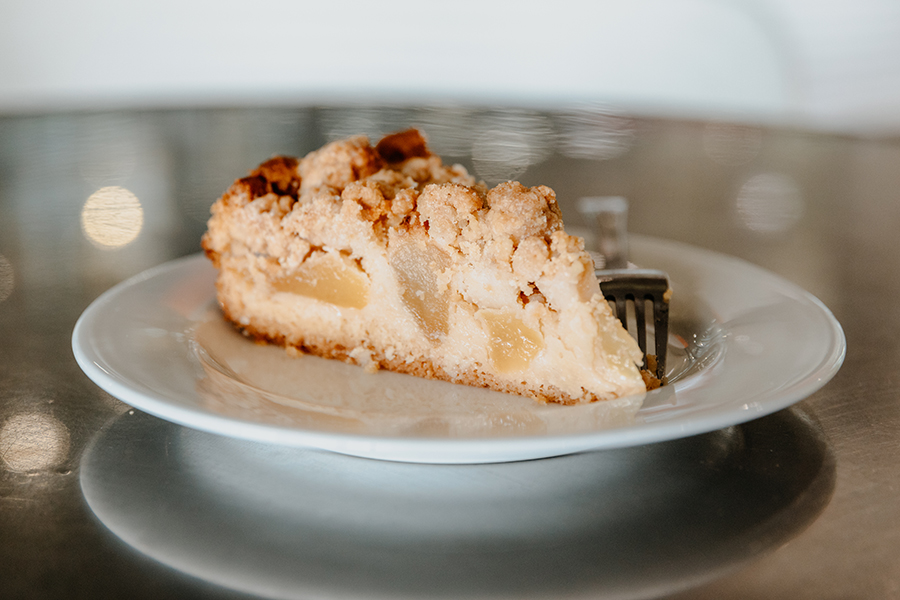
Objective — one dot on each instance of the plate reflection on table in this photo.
(286, 522)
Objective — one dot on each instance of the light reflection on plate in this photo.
(747, 343)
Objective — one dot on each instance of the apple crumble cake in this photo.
(387, 258)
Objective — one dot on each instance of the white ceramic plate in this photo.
(743, 343)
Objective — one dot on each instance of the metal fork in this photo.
(622, 283)
(639, 286)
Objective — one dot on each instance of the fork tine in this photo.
(661, 332)
(639, 317)
(622, 308)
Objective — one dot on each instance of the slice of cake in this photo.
(384, 257)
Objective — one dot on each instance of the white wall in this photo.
(792, 61)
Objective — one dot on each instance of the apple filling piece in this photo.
(417, 267)
(329, 277)
(513, 344)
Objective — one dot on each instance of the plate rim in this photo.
(437, 450)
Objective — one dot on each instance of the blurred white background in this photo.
(833, 65)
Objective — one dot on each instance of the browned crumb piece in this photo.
(402, 146)
(649, 374)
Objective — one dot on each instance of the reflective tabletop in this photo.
(99, 500)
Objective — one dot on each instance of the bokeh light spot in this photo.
(509, 143)
(595, 133)
(769, 203)
(33, 442)
(112, 217)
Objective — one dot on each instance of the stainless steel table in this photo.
(100, 501)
